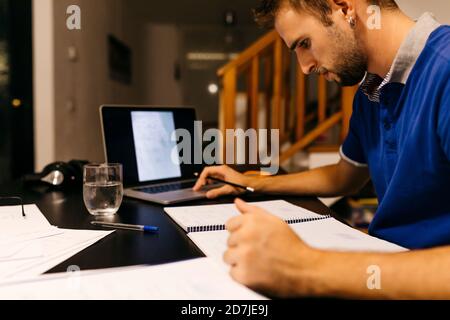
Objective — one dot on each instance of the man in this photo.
(399, 137)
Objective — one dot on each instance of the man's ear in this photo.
(347, 7)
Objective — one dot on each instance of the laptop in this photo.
(140, 139)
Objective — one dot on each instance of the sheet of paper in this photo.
(220, 214)
(21, 237)
(331, 234)
(13, 224)
(55, 250)
(55, 260)
(198, 279)
(327, 234)
(13, 214)
(212, 243)
(22, 251)
(27, 236)
(25, 246)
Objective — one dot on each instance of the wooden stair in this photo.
(267, 69)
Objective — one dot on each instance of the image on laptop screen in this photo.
(152, 132)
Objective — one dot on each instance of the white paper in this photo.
(22, 251)
(212, 215)
(53, 261)
(327, 234)
(13, 214)
(13, 224)
(198, 279)
(213, 243)
(25, 246)
(30, 246)
(330, 234)
(54, 250)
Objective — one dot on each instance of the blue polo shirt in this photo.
(404, 139)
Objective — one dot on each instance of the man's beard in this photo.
(351, 69)
(350, 60)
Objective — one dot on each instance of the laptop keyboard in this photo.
(166, 187)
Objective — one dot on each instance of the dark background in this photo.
(16, 73)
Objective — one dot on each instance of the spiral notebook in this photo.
(326, 234)
(214, 217)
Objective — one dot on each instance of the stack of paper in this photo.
(30, 246)
(199, 279)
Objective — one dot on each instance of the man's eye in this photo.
(305, 44)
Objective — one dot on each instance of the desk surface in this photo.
(126, 248)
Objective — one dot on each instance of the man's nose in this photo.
(306, 63)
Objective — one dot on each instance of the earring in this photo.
(352, 22)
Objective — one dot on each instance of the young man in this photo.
(399, 137)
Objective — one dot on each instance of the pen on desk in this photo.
(148, 229)
(228, 183)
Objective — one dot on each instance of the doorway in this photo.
(16, 90)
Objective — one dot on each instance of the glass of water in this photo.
(102, 188)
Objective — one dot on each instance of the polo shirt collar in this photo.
(405, 59)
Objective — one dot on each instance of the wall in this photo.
(83, 85)
(161, 52)
(198, 74)
(68, 93)
(414, 8)
(169, 44)
(43, 82)
(71, 91)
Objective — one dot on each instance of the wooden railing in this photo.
(285, 110)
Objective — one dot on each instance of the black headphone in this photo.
(58, 175)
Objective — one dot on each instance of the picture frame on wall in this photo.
(120, 61)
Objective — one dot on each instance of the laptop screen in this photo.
(140, 139)
(152, 132)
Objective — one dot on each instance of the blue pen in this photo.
(149, 229)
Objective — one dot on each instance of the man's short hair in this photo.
(266, 11)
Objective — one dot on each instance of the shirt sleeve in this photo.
(352, 150)
(444, 120)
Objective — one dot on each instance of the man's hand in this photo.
(224, 173)
(266, 255)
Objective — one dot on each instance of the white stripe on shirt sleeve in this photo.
(352, 162)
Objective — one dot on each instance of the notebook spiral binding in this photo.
(302, 220)
(222, 227)
(206, 228)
